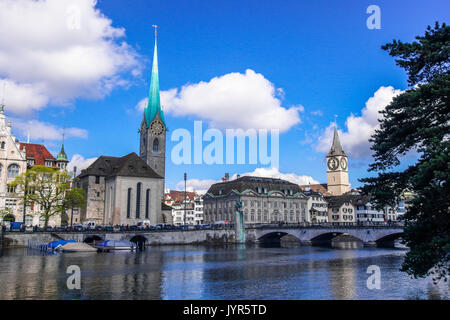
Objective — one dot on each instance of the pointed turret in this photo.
(336, 148)
(61, 159)
(154, 105)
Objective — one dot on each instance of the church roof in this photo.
(38, 152)
(336, 148)
(154, 104)
(130, 165)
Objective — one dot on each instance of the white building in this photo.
(317, 207)
(366, 211)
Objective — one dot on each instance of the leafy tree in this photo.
(6, 215)
(418, 120)
(75, 198)
(44, 186)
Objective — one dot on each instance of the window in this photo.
(147, 202)
(48, 163)
(138, 200)
(3, 144)
(156, 145)
(13, 171)
(129, 203)
(97, 179)
(11, 189)
(1, 169)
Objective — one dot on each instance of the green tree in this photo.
(418, 120)
(6, 215)
(75, 198)
(44, 186)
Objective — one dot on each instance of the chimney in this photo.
(227, 176)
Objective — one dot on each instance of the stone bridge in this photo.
(305, 235)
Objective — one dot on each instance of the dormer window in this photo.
(48, 163)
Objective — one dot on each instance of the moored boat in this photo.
(116, 245)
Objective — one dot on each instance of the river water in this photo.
(213, 272)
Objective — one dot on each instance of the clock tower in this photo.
(153, 127)
(337, 168)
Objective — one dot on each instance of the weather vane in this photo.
(156, 27)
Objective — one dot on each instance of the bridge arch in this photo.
(93, 238)
(140, 241)
(275, 236)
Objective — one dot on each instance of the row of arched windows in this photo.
(138, 201)
(13, 170)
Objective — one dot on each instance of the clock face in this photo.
(333, 163)
(157, 128)
(344, 163)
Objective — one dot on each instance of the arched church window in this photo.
(3, 144)
(129, 203)
(147, 203)
(156, 145)
(138, 200)
(13, 171)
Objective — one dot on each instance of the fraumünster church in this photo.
(126, 190)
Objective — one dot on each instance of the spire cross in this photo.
(156, 27)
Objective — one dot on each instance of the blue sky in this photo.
(320, 53)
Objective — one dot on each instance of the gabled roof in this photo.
(38, 152)
(321, 187)
(354, 199)
(130, 165)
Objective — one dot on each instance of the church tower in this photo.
(153, 127)
(337, 168)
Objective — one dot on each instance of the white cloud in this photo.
(53, 51)
(45, 131)
(197, 185)
(275, 173)
(80, 162)
(355, 140)
(234, 100)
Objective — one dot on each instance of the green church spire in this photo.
(62, 156)
(154, 104)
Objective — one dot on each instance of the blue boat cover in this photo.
(54, 244)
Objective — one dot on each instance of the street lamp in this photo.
(185, 176)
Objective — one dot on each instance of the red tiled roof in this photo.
(178, 196)
(38, 152)
(322, 188)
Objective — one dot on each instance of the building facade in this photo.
(317, 207)
(192, 214)
(121, 191)
(15, 158)
(341, 210)
(264, 200)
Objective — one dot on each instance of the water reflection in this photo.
(206, 272)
